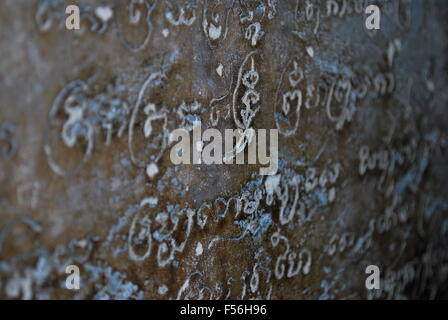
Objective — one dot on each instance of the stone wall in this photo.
(86, 177)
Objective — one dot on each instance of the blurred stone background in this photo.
(86, 178)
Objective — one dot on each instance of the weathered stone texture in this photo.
(85, 170)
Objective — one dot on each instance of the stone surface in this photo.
(86, 177)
